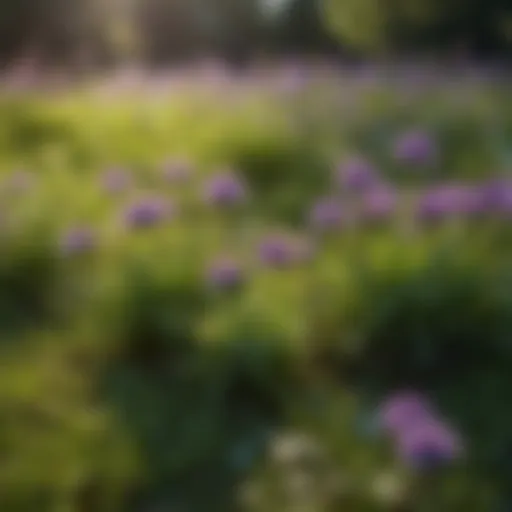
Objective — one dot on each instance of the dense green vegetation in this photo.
(129, 382)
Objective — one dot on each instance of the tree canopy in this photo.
(376, 26)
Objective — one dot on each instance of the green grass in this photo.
(128, 384)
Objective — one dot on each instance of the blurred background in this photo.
(81, 35)
(256, 255)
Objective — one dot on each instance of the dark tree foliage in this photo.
(301, 29)
(477, 27)
(163, 31)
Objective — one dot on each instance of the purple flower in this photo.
(225, 273)
(497, 196)
(225, 189)
(177, 171)
(379, 203)
(148, 212)
(505, 204)
(473, 202)
(277, 251)
(457, 199)
(493, 191)
(429, 445)
(282, 250)
(326, 214)
(357, 174)
(78, 240)
(402, 410)
(415, 148)
(115, 180)
(441, 202)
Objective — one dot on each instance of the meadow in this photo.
(216, 293)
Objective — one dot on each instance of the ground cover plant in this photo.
(285, 291)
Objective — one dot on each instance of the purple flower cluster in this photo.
(505, 202)
(423, 441)
(429, 445)
(497, 196)
(402, 410)
(439, 203)
(447, 200)
(492, 192)
(148, 212)
(326, 214)
(473, 202)
(276, 251)
(225, 189)
(379, 203)
(375, 201)
(357, 174)
(78, 240)
(225, 273)
(282, 251)
(416, 148)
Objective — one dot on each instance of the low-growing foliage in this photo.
(194, 288)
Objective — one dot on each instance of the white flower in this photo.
(289, 448)
(388, 488)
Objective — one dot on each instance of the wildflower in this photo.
(498, 195)
(429, 445)
(291, 448)
(415, 148)
(440, 203)
(473, 202)
(225, 189)
(277, 251)
(225, 273)
(389, 488)
(505, 203)
(403, 409)
(326, 214)
(147, 212)
(379, 203)
(357, 174)
(78, 240)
